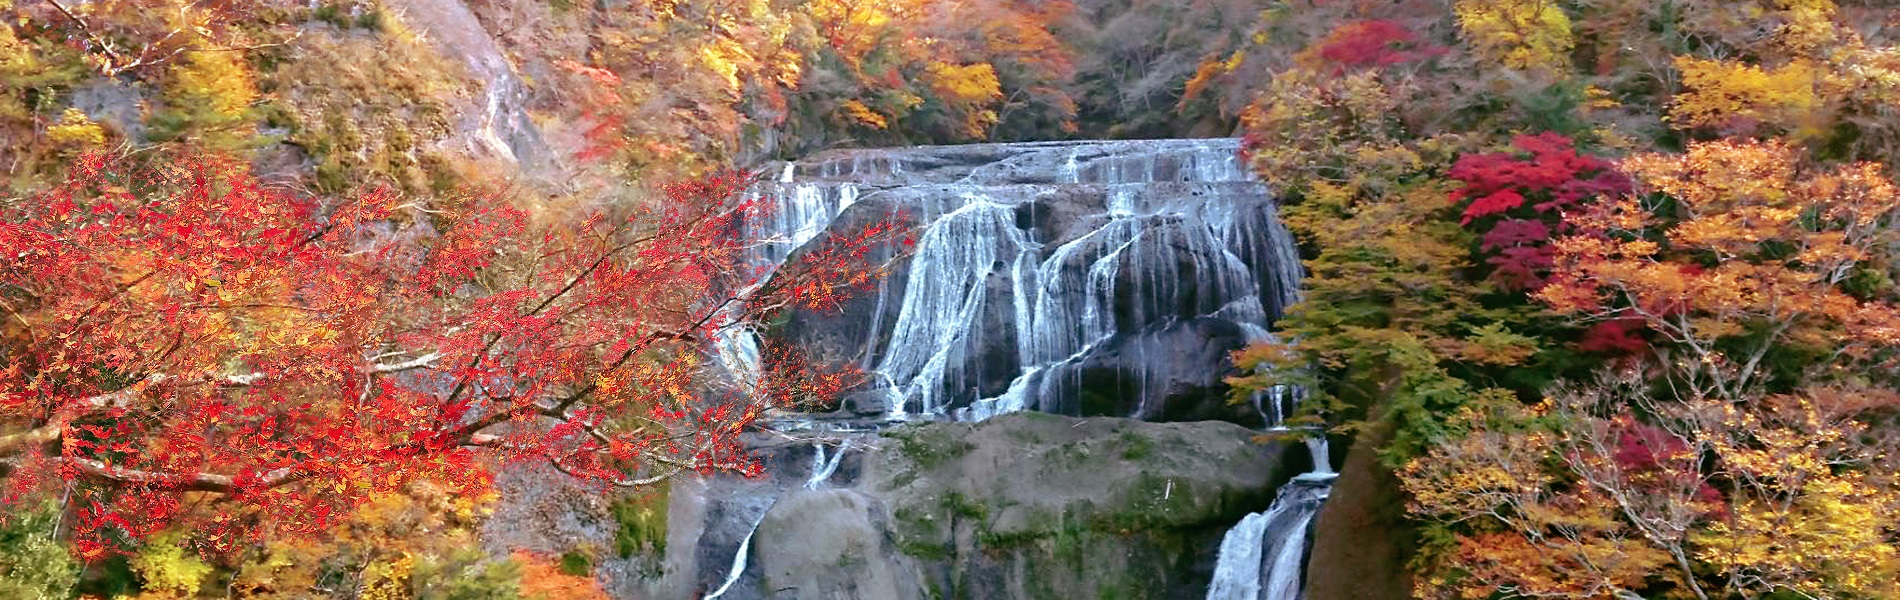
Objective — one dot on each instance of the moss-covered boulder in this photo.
(1026, 505)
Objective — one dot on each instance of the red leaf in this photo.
(1495, 203)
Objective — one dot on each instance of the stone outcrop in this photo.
(1022, 506)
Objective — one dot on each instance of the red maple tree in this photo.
(184, 345)
(1516, 201)
(1370, 44)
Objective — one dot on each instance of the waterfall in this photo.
(797, 213)
(738, 561)
(1260, 558)
(738, 565)
(1237, 569)
(823, 465)
(737, 347)
(822, 468)
(1040, 271)
(1035, 259)
(1281, 576)
(1322, 459)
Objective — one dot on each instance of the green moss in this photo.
(919, 533)
(440, 173)
(364, 105)
(849, 560)
(1136, 446)
(371, 20)
(1075, 456)
(1147, 504)
(643, 524)
(329, 13)
(903, 477)
(924, 550)
(277, 116)
(577, 564)
(930, 446)
(1000, 541)
(332, 175)
(1072, 541)
(964, 507)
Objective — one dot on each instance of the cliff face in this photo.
(495, 121)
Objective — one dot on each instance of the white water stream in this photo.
(1260, 558)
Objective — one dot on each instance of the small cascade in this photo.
(1261, 557)
(1281, 575)
(1322, 458)
(821, 467)
(738, 562)
(1277, 403)
(799, 213)
(825, 463)
(737, 348)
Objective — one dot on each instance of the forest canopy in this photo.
(1611, 282)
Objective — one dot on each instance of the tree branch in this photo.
(190, 482)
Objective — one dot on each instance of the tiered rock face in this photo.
(1079, 278)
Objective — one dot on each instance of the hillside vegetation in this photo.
(1616, 278)
(1608, 284)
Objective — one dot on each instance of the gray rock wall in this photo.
(1023, 506)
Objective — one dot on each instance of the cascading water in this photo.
(822, 467)
(1237, 570)
(738, 562)
(1260, 558)
(943, 305)
(798, 214)
(1037, 262)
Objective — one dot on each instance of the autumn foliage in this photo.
(1517, 204)
(185, 345)
(1758, 419)
(1370, 44)
(1611, 283)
